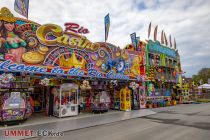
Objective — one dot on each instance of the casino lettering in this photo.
(62, 39)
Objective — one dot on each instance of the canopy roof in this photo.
(206, 86)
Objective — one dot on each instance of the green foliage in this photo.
(202, 76)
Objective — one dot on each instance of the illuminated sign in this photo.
(157, 48)
(73, 27)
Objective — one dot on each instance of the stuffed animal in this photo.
(85, 85)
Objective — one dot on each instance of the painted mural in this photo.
(47, 49)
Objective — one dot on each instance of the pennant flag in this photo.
(21, 7)
(165, 39)
(155, 33)
(107, 25)
(138, 43)
(170, 41)
(149, 29)
(174, 43)
(162, 37)
(133, 40)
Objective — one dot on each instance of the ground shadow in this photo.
(199, 125)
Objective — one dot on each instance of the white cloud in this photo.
(187, 20)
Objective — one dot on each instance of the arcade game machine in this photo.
(135, 99)
(117, 100)
(142, 98)
(66, 100)
(101, 102)
(101, 97)
(14, 101)
(15, 106)
(125, 99)
(115, 95)
(37, 94)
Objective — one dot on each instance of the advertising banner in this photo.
(48, 49)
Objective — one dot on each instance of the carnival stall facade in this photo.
(162, 69)
(50, 56)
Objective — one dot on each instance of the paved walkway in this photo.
(78, 122)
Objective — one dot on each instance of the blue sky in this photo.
(186, 20)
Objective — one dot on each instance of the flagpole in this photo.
(27, 9)
(149, 30)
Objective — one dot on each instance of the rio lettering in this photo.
(73, 27)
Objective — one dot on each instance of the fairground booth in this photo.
(59, 73)
(163, 73)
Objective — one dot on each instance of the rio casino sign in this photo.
(61, 38)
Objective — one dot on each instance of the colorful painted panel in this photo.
(156, 47)
(47, 49)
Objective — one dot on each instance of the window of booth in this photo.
(174, 63)
(170, 63)
(151, 59)
(167, 62)
(158, 73)
(157, 60)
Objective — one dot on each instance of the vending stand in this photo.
(66, 100)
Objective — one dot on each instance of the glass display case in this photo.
(66, 100)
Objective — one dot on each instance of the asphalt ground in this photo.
(181, 122)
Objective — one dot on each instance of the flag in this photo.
(170, 41)
(21, 7)
(165, 39)
(155, 33)
(162, 37)
(174, 43)
(138, 43)
(107, 25)
(149, 29)
(133, 40)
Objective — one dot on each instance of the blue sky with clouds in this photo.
(187, 20)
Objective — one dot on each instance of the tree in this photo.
(203, 75)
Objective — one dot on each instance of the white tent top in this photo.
(206, 86)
